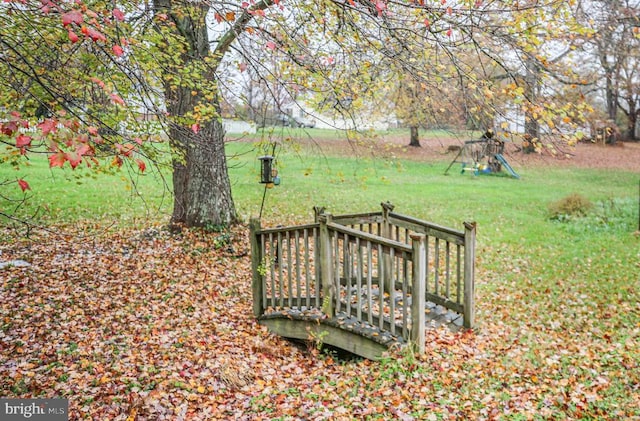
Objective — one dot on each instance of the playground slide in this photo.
(506, 165)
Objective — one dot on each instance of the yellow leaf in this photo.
(132, 414)
(201, 389)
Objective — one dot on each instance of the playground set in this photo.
(482, 156)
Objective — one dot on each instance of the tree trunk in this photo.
(631, 128)
(632, 120)
(201, 185)
(532, 86)
(414, 139)
(611, 95)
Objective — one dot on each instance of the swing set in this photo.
(482, 156)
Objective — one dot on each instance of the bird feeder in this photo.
(269, 175)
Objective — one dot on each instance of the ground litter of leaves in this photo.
(153, 325)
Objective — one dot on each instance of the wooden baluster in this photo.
(419, 288)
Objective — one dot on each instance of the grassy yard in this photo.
(558, 312)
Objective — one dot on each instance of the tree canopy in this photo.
(103, 84)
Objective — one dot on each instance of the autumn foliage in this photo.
(150, 325)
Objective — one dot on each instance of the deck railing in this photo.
(380, 269)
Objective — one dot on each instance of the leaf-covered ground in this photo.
(148, 325)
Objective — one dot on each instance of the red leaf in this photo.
(23, 185)
(242, 66)
(93, 131)
(74, 16)
(96, 35)
(47, 126)
(73, 37)
(8, 128)
(74, 160)
(195, 127)
(117, 13)
(271, 45)
(449, 32)
(57, 160)
(218, 17)
(117, 161)
(141, 165)
(427, 23)
(84, 149)
(22, 141)
(115, 98)
(127, 149)
(98, 82)
(117, 50)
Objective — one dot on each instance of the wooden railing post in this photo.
(469, 274)
(326, 272)
(389, 282)
(418, 318)
(317, 211)
(257, 280)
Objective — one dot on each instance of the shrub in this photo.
(574, 205)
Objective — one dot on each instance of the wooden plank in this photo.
(458, 274)
(358, 218)
(426, 270)
(422, 227)
(418, 298)
(385, 242)
(289, 274)
(272, 272)
(298, 269)
(469, 273)
(405, 299)
(359, 263)
(369, 281)
(307, 270)
(326, 272)
(381, 285)
(257, 279)
(392, 294)
(279, 263)
(318, 265)
(307, 330)
(436, 265)
(448, 270)
(346, 264)
(298, 228)
(438, 300)
(336, 275)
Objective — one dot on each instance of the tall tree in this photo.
(614, 43)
